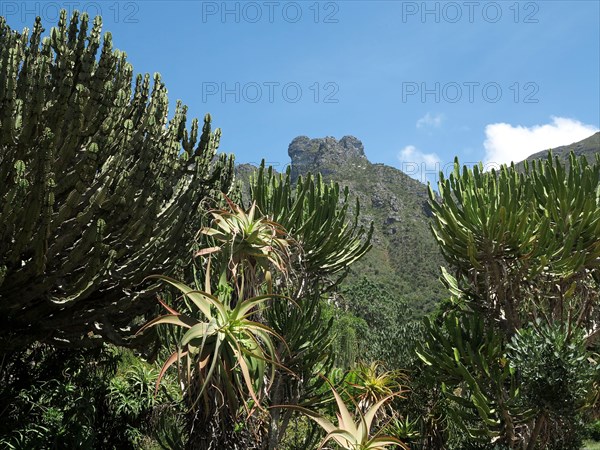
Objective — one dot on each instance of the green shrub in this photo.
(593, 430)
(96, 398)
(55, 398)
(553, 368)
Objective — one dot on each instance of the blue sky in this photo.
(417, 82)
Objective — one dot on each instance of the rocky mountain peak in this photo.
(325, 155)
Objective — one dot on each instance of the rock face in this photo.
(325, 154)
(404, 258)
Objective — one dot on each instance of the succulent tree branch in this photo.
(98, 188)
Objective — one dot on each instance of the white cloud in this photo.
(505, 143)
(419, 165)
(430, 120)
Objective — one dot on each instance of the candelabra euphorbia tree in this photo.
(98, 188)
(524, 252)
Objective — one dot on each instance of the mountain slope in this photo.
(587, 147)
(404, 258)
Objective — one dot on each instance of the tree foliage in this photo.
(524, 255)
(384, 318)
(524, 246)
(326, 239)
(475, 375)
(98, 188)
(102, 397)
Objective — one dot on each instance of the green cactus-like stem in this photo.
(98, 188)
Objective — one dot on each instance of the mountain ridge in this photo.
(587, 147)
(405, 259)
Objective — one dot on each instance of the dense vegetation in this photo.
(262, 336)
(514, 347)
(98, 189)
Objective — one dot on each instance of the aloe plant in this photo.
(369, 383)
(351, 432)
(225, 355)
(226, 348)
(249, 245)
